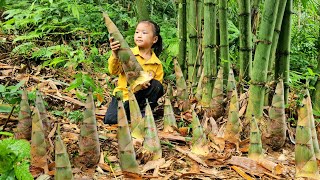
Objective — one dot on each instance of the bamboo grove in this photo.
(248, 100)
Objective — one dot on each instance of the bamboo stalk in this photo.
(209, 43)
(63, 166)
(137, 121)
(24, 126)
(182, 32)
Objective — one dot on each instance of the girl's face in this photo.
(144, 35)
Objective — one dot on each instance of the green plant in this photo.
(14, 159)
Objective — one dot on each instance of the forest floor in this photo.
(224, 161)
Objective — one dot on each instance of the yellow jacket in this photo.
(153, 66)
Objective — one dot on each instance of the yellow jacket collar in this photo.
(153, 60)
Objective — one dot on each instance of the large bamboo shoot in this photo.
(89, 141)
(131, 67)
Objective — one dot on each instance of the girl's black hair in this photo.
(157, 47)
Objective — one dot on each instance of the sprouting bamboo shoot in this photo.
(89, 141)
(25, 121)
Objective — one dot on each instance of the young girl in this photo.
(148, 46)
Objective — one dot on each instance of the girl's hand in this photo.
(115, 46)
(145, 85)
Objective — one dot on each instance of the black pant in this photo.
(152, 93)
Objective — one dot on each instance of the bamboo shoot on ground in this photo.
(233, 127)
(137, 121)
(63, 166)
(127, 155)
(89, 141)
(131, 67)
(169, 121)
(199, 139)
(38, 143)
(151, 142)
(306, 164)
(255, 147)
(25, 121)
(43, 113)
(312, 125)
(216, 104)
(182, 91)
(277, 125)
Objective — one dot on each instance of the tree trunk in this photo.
(193, 47)
(142, 10)
(209, 44)
(182, 29)
(224, 42)
(260, 64)
(245, 53)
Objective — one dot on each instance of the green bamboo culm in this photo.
(245, 52)
(142, 10)
(224, 42)
(260, 64)
(137, 121)
(131, 67)
(43, 113)
(25, 121)
(38, 142)
(89, 141)
(63, 166)
(217, 102)
(127, 155)
(282, 62)
(316, 93)
(254, 15)
(209, 43)
(182, 89)
(169, 121)
(151, 142)
(233, 127)
(277, 124)
(192, 41)
(275, 40)
(312, 125)
(182, 32)
(305, 160)
(255, 147)
(199, 139)
(199, 11)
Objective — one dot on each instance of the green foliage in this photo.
(11, 94)
(14, 159)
